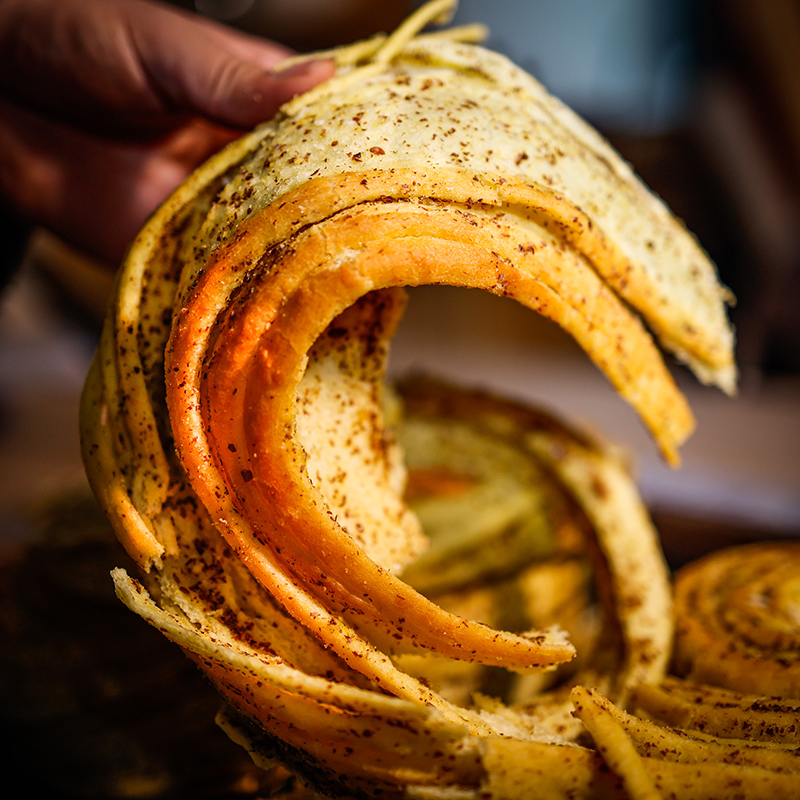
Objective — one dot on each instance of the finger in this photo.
(248, 99)
(220, 73)
(117, 65)
(227, 77)
(92, 192)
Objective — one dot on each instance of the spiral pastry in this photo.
(732, 702)
(739, 619)
(237, 430)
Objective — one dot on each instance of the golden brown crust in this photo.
(234, 424)
(467, 108)
(461, 229)
(312, 715)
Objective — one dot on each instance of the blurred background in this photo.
(702, 97)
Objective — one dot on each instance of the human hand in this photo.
(106, 105)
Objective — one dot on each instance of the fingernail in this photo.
(301, 69)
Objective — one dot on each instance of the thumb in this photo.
(116, 65)
(229, 77)
(240, 94)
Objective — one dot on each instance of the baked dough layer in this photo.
(234, 420)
